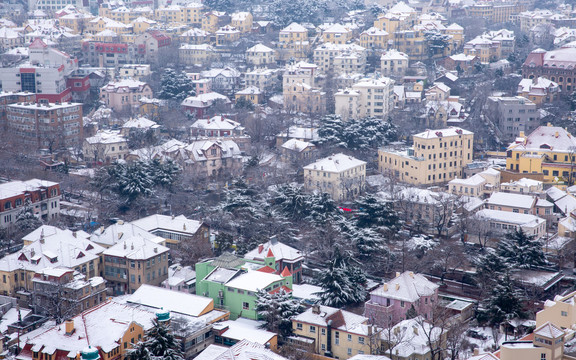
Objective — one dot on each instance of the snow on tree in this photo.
(292, 199)
(26, 221)
(135, 181)
(522, 250)
(159, 343)
(376, 213)
(176, 86)
(363, 134)
(503, 304)
(276, 310)
(342, 282)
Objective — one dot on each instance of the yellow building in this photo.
(196, 54)
(100, 24)
(347, 335)
(78, 22)
(337, 34)
(340, 175)
(293, 41)
(251, 94)
(242, 21)
(374, 38)
(142, 24)
(548, 150)
(192, 13)
(169, 14)
(260, 54)
(226, 35)
(437, 156)
(212, 20)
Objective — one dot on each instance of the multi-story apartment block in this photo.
(512, 115)
(134, 71)
(293, 42)
(483, 183)
(437, 156)
(9, 98)
(46, 125)
(262, 78)
(42, 196)
(529, 19)
(390, 302)
(152, 45)
(213, 20)
(394, 63)
(368, 97)
(65, 292)
(261, 55)
(190, 54)
(556, 65)
(340, 175)
(300, 94)
(333, 332)
(44, 73)
(497, 223)
(497, 13)
(109, 54)
(548, 150)
(337, 34)
(105, 147)
(325, 57)
(226, 35)
(135, 261)
(124, 95)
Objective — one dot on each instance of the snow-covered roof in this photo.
(566, 204)
(204, 100)
(546, 139)
(140, 123)
(215, 123)
(474, 180)
(451, 131)
(511, 200)
(394, 54)
(120, 231)
(305, 291)
(524, 182)
(297, 145)
(335, 163)
(250, 90)
(16, 187)
(416, 334)
(280, 251)
(341, 319)
(104, 324)
(510, 217)
(294, 27)
(555, 193)
(260, 48)
(125, 85)
(253, 281)
(136, 248)
(178, 224)
(173, 301)
(243, 350)
(244, 329)
(406, 287)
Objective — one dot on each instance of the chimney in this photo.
(69, 326)
(415, 330)
(124, 245)
(316, 309)
(397, 274)
(74, 234)
(397, 287)
(132, 246)
(385, 287)
(476, 351)
(411, 274)
(260, 248)
(155, 249)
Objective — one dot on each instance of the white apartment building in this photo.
(394, 63)
(325, 56)
(368, 97)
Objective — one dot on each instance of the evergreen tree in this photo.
(276, 310)
(159, 343)
(176, 86)
(363, 134)
(522, 250)
(342, 283)
(411, 313)
(135, 181)
(26, 221)
(504, 303)
(376, 212)
(292, 200)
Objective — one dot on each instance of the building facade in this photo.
(341, 176)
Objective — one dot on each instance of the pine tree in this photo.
(292, 200)
(26, 221)
(522, 250)
(136, 181)
(342, 283)
(504, 302)
(276, 310)
(376, 212)
(159, 343)
(176, 86)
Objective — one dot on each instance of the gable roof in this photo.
(406, 287)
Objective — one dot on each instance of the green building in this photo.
(233, 282)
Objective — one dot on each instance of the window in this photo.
(564, 313)
(299, 326)
(543, 356)
(349, 351)
(245, 306)
(360, 340)
(401, 303)
(349, 337)
(312, 329)
(323, 331)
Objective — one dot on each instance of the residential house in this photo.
(293, 42)
(299, 91)
(523, 186)
(336, 34)
(374, 38)
(390, 302)
(213, 20)
(200, 105)
(140, 124)
(242, 21)
(213, 158)
(296, 151)
(226, 35)
(125, 95)
(119, 231)
(192, 54)
(555, 65)
(265, 79)
(548, 150)
(226, 80)
(461, 62)
(250, 94)
(539, 90)
(340, 175)
(176, 229)
(496, 223)
(135, 261)
(436, 156)
(260, 54)
(284, 257)
(42, 196)
(105, 147)
(68, 286)
(394, 63)
(180, 278)
(481, 184)
(233, 283)
(333, 332)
